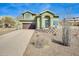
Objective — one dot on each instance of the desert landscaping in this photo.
(6, 30)
(38, 31)
(38, 42)
(43, 44)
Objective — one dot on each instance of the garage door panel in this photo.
(26, 25)
(29, 26)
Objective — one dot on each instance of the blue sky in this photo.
(62, 10)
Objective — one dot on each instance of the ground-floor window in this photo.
(55, 23)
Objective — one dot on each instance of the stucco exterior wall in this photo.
(43, 19)
(40, 20)
(57, 20)
(38, 23)
(27, 16)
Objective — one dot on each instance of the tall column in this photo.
(42, 23)
(51, 22)
(38, 23)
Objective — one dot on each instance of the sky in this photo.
(60, 9)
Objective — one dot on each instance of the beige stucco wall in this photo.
(40, 22)
(26, 16)
(43, 19)
(29, 16)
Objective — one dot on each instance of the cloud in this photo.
(45, 7)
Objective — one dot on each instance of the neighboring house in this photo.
(72, 21)
(43, 20)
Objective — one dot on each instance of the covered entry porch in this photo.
(46, 22)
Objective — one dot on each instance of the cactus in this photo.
(65, 36)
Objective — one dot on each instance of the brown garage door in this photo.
(29, 26)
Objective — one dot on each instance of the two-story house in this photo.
(43, 20)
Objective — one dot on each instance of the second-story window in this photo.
(28, 16)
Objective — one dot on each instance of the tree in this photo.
(8, 21)
(0, 24)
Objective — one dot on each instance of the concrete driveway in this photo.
(15, 43)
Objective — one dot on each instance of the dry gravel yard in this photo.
(6, 30)
(42, 44)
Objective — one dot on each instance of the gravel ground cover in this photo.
(6, 30)
(50, 44)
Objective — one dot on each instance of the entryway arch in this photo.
(47, 21)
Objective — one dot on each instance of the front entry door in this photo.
(47, 23)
